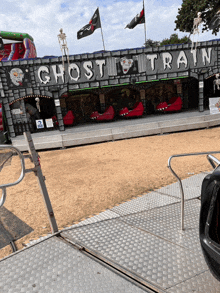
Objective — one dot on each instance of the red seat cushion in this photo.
(69, 118)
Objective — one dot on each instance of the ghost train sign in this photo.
(149, 63)
(102, 69)
(112, 68)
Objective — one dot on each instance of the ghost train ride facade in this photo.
(51, 93)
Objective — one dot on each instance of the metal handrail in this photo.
(209, 157)
(34, 157)
(213, 161)
(4, 186)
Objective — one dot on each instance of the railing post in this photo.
(212, 160)
(181, 191)
(41, 181)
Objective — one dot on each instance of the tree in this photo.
(174, 39)
(151, 44)
(188, 11)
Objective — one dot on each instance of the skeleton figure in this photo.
(216, 82)
(63, 46)
(37, 103)
(196, 24)
(17, 75)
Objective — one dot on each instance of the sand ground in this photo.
(84, 181)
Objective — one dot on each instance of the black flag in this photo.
(89, 28)
(215, 21)
(138, 19)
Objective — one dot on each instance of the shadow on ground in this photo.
(11, 227)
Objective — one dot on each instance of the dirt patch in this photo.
(84, 181)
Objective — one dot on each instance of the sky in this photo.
(42, 19)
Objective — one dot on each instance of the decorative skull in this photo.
(126, 64)
(17, 75)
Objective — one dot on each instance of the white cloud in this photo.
(42, 19)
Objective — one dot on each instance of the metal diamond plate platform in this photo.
(143, 203)
(54, 266)
(100, 217)
(106, 215)
(191, 187)
(152, 258)
(140, 238)
(146, 242)
(165, 222)
(204, 282)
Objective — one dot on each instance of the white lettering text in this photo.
(43, 69)
(182, 59)
(167, 59)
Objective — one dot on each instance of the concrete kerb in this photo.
(46, 142)
(213, 116)
(120, 134)
(81, 138)
(43, 142)
(75, 138)
(214, 122)
(184, 127)
(164, 127)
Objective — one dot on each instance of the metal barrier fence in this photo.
(14, 151)
(33, 156)
(212, 160)
(22, 127)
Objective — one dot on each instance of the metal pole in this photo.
(41, 182)
(209, 157)
(101, 31)
(201, 93)
(214, 162)
(145, 24)
(181, 191)
(102, 39)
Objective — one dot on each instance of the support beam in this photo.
(41, 181)
(102, 101)
(58, 110)
(143, 98)
(201, 93)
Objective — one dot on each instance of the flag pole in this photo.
(102, 32)
(145, 24)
